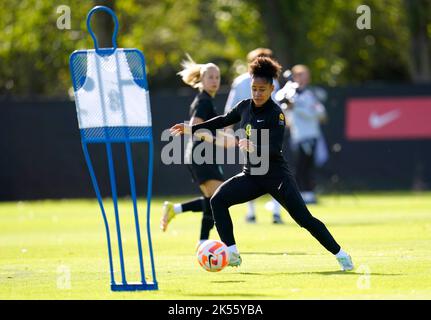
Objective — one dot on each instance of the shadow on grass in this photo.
(323, 273)
(277, 253)
(344, 273)
(223, 294)
(228, 281)
(357, 224)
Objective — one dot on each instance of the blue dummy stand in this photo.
(119, 135)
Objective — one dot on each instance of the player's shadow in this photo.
(228, 281)
(356, 224)
(277, 253)
(344, 273)
(224, 294)
(323, 273)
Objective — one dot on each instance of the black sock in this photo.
(207, 220)
(196, 205)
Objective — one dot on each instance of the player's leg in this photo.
(275, 207)
(171, 210)
(288, 195)
(276, 210)
(208, 188)
(250, 217)
(207, 222)
(304, 165)
(209, 177)
(238, 189)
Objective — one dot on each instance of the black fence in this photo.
(41, 155)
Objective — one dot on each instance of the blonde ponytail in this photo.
(193, 72)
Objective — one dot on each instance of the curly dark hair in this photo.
(265, 67)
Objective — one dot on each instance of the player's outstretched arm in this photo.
(180, 129)
(223, 140)
(246, 145)
(226, 140)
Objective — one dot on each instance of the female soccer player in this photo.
(205, 78)
(259, 113)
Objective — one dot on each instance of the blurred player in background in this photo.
(305, 115)
(240, 90)
(205, 78)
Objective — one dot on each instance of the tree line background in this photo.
(34, 53)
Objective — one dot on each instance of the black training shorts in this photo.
(204, 172)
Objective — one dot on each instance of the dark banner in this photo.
(374, 142)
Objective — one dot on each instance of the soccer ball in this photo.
(213, 255)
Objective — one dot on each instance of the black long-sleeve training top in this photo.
(202, 107)
(268, 116)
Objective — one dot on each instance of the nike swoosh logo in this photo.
(377, 121)
(260, 121)
(210, 260)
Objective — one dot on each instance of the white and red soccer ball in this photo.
(213, 255)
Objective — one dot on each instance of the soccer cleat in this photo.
(199, 244)
(234, 259)
(250, 219)
(167, 216)
(346, 263)
(276, 219)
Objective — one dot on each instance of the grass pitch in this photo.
(57, 250)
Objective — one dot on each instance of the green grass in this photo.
(388, 236)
